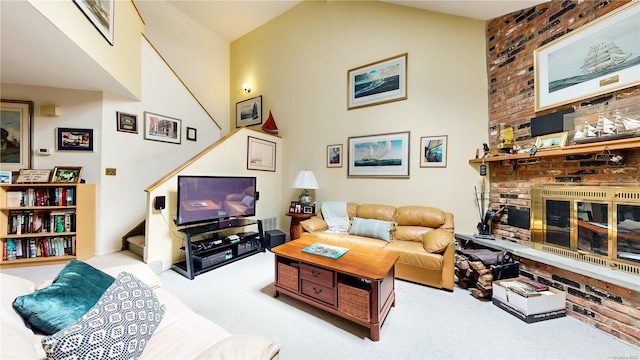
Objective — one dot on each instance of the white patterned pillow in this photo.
(117, 327)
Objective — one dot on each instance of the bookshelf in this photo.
(46, 223)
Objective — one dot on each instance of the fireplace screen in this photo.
(599, 223)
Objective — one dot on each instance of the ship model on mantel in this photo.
(605, 129)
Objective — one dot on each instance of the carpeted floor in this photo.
(426, 323)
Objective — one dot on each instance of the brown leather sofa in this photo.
(422, 238)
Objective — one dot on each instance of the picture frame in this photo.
(66, 174)
(162, 128)
(433, 151)
(334, 156)
(6, 177)
(377, 83)
(249, 112)
(100, 14)
(74, 139)
(551, 141)
(126, 122)
(192, 134)
(261, 154)
(16, 117)
(564, 75)
(292, 207)
(379, 156)
(307, 209)
(29, 176)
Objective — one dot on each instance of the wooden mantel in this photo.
(596, 147)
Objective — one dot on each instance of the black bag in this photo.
(486, 256)
(507, 268)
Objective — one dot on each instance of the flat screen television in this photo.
(203, 199)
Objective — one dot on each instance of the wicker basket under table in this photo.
(354, 301)
(288, 276)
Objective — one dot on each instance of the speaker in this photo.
(273, 238)
(159, 203)
(551, 123)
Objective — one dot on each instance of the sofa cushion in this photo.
(117, 327)
(436, 241)
(16, 338)
(376, 229)
(419, 216)
(247, 201)
(412, 253)
(377, 212)
(73, 292)
(410, 233)
(241, 347)
(314, 224)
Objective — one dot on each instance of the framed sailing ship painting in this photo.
(380, 82)
(433, 151)
(261, 154)
(600, 57)
(249, 112)
(385, 155)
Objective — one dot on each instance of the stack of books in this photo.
(525, 287)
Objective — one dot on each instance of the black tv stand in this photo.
(207, 254)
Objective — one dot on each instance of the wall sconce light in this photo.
(246, 88)
(49, 110)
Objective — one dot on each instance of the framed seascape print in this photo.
(551, 141)
(100, 13)
(192, 134)
(66, 174)
(433, 151)
(598, 58)
(377, 83)
(16, 118)
(75, 139)
(28, 176)
(162, 128)
(127, 122)
(334, 156)
(249, 112)
(261, 154)
(385, 155)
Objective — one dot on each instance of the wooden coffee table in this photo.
(358, 286)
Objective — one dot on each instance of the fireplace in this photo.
(595, 224)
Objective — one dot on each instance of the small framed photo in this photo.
(75, 139)
(551, 141)
(334, 155)
(298, 208)
(307, 209)
(162, 128)
(249, 112)
(292, 207)
(127, 122)
(5, 177)
(66, 174)
(433, 151)
(192, 134)
(27, 176)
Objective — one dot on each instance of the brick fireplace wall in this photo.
(511, 41)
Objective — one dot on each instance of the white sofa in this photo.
(182, 334)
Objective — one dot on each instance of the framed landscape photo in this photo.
(100, 14)
(162, 128)
(6, 177)
(127, 122)
(16, 119)
(334, 156)
(75, 139)
(551, 141)
(377, 83)
(66, 174)
(249, 112)
(261, 154)
(433, 151)
(385, 155)
(598, 58)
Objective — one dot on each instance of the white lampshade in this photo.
(305, 180)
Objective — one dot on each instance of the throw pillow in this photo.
(117, 327)
(377, 229)
(247, 201)
(73, 292)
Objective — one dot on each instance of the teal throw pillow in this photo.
(73, 292)
(117, 327)
(377, 229)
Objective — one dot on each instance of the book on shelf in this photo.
(325, 250)
(40, 247)
(14, 198)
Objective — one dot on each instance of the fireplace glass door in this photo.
(628, 241)
(593, 227)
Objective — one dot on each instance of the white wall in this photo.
(299, 61)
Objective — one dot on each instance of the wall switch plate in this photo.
(110, 171)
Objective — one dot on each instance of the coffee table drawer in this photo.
(317, 275)
(319, 292)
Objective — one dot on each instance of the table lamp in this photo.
(305, 180)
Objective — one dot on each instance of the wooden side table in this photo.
(296, 229)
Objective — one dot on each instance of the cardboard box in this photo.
(529, 318)
(550, 300)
